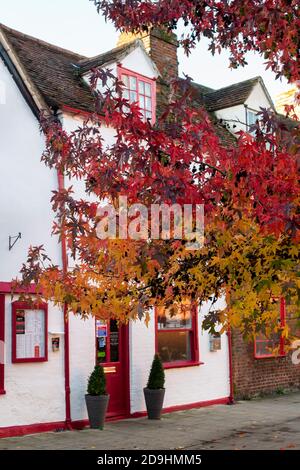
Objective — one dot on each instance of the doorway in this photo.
(112, 353)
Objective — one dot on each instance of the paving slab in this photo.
(266, 423)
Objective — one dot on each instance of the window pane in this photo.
(252, 118)
(141, 87)
(176, 316)
(148, 115)
(148, 104)
(142, 102)
(132, 83)
(174, 346)
(114, 341)
(124, 79)
(126, 94)
(267, 347)
(147, 89)
(101, 341)
(133, 97)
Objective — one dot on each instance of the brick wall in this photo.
(252, 376)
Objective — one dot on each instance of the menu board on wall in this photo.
(30, 334)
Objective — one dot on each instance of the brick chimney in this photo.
(162, 48)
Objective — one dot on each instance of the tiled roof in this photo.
(56, 73)
(231, 95)
(108, 57)
(52, 70)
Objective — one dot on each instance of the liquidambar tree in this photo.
(249, 188)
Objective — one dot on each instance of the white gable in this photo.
(258, 98)
(139, 62)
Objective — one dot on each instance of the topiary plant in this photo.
(97, 382)
(157, 374)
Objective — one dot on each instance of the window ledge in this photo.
(177, 365)
(273, 356)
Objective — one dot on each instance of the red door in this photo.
(112, 354)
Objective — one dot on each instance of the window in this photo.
(251, 117)
(29, 332)
(177, 335)
(273, 346)
(2, 339)
(141, 90)
(107, 341)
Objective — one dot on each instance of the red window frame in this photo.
(282, 352)
(194, 361)
(152, 82)
(28, 306)
(2, 338)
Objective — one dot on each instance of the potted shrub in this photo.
(154, 392)
(97, 398)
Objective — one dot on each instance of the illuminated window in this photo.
(177, 336)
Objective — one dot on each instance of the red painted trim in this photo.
(127, 370)
(178, 365)
(6, 288)
(13, 431)
(151, 81)
(80, 112)
(188, 406)
(2, 338)
(60, 180)
(135, 74)
(231, 382)
(27, 306)
(194, 341)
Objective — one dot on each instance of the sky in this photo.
(76, 25)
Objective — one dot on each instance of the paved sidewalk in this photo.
(268, 423)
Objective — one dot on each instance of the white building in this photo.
(45, 357)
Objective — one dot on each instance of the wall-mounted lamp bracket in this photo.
(13, 240)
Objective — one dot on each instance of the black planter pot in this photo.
(154, 402)
(96, 408)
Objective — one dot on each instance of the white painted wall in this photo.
(235, 117)
(184, 385)
(34, 391)
(26, 184)
(82, 362)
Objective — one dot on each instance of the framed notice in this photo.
(29, 332)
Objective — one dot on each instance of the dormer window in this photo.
(141, 90)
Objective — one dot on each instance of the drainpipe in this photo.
(68, 423)
(231, 393)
